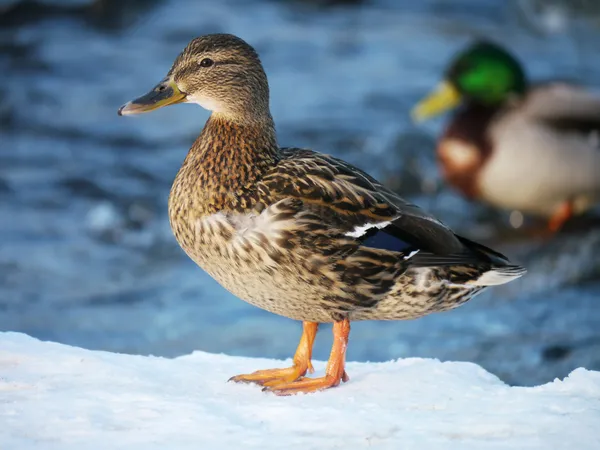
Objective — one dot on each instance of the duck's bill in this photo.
(165, 93)
(444, 97)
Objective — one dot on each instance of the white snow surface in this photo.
(54, 396)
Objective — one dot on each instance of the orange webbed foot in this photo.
(306, 385)
(334, 374)
(562, 214)
(268, 376)
(302, 362)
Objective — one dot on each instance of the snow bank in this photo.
(54, 396)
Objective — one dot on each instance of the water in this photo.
(86, 253)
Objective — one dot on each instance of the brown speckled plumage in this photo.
(270, 226)
(302, 234)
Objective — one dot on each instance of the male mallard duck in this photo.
(298, 233)
(530, 148)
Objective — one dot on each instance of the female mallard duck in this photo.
(298, 233)
(530, 148)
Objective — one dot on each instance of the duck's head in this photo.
(220, 72)
(484, 74)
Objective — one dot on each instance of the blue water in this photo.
(86, 253)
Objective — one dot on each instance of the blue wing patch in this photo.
(382, 239)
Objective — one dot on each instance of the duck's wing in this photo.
(565, 107)
(356, 206)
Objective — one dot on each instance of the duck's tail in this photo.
(493, 267)
(501, 270)
(499, 275)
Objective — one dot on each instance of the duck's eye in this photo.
(206, 62)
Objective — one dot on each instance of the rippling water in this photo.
(86, 253)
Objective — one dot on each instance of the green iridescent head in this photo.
(484, 73)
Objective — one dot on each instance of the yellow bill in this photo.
(165, 93)
(443, 98)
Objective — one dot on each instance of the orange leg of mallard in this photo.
(563, 213)
(334, 374)
(302, 362)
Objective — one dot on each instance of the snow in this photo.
(54, 396)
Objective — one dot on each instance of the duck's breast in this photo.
(264, 258)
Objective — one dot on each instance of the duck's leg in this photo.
(302, 362)
(334, 374)
(563, 213)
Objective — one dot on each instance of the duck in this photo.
(298, 233)
(516, 145)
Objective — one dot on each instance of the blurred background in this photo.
(86, 253)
